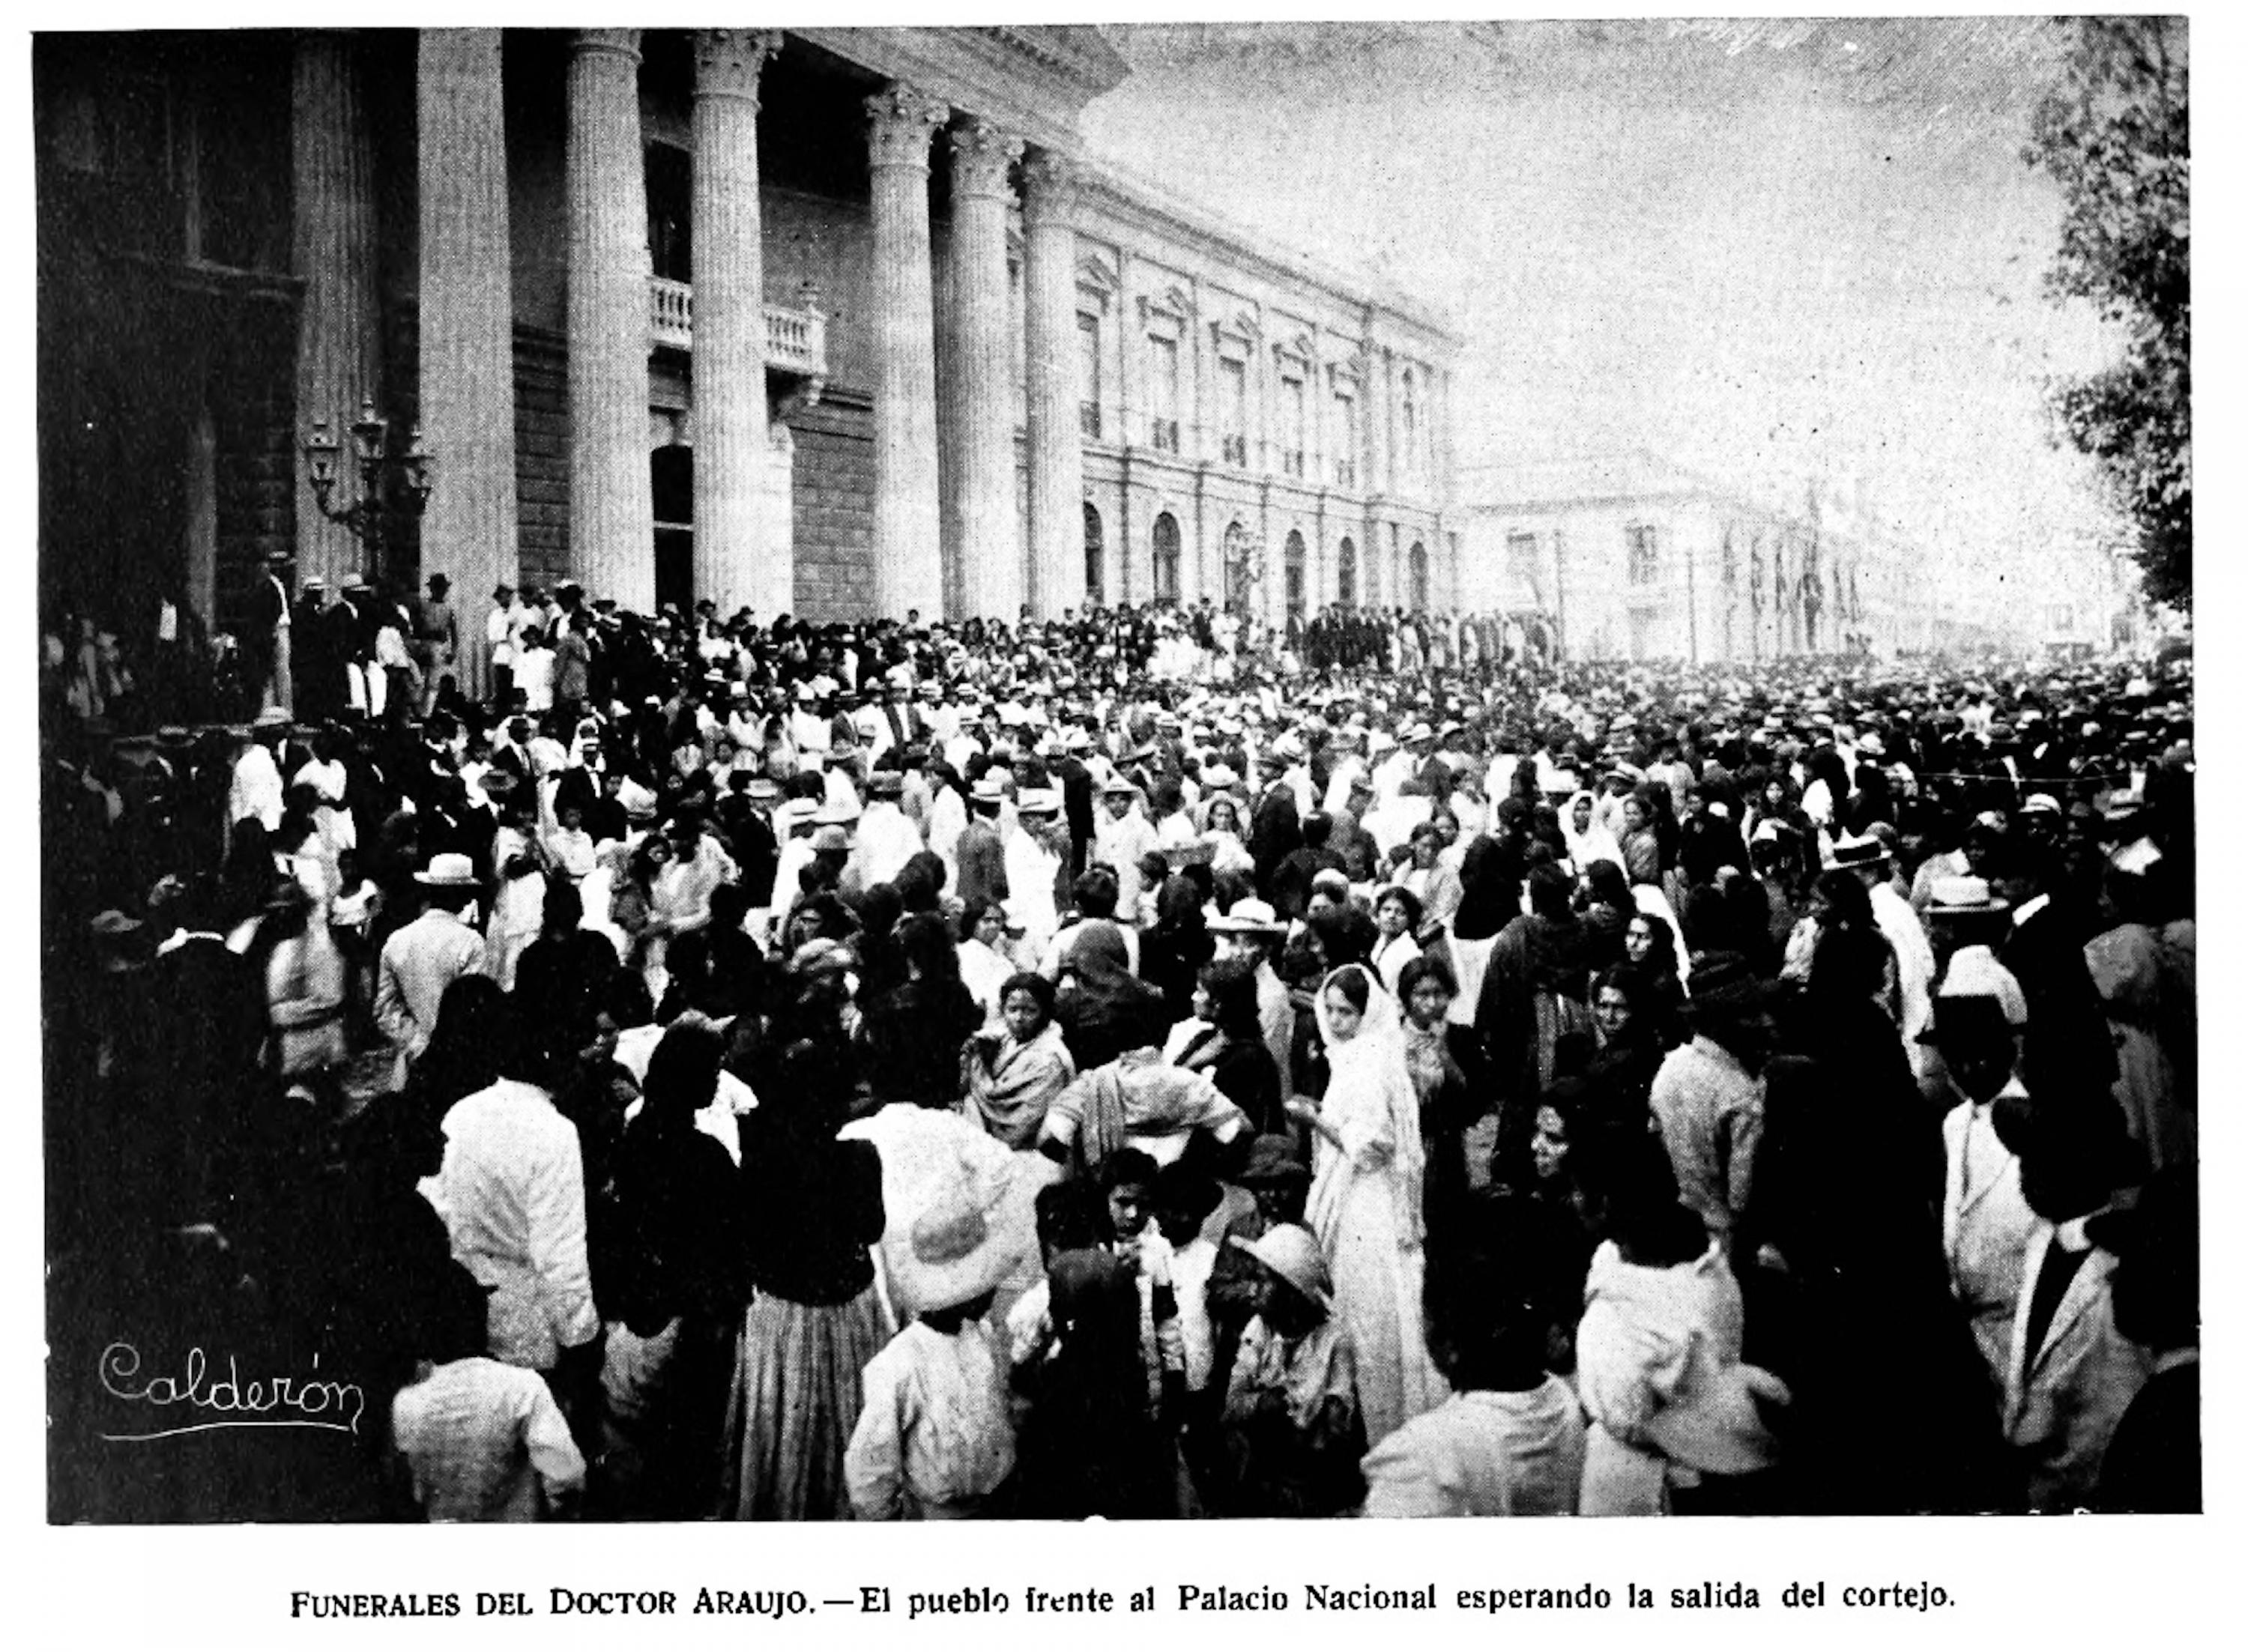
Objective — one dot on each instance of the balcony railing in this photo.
(796, 340)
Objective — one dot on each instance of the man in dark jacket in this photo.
(1275, 832)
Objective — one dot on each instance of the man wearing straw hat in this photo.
(424, 958)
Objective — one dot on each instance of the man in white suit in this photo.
(2070, 1374)
(1986, 1221)
(424, 958)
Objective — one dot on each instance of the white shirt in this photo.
(255, 791)
(1481, 1453)
(512, 1193)
(932, 1438)
(885, 842)
(1915, 960)
(484, 1441)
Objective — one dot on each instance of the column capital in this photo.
(728, 61)
(899, 120)
(982, 153)
(619, 43)
(1053, 188)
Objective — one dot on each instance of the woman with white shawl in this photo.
(1365, 1203)
(1588, 835)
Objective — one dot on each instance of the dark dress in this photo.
(668, 1273)
(1245, 1072)
(1843, 1193)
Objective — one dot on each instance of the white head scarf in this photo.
(1366, 1076)
(1595, 842)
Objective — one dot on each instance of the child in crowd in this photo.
(1511, 1440)
(1292, 1435)
(482, 1440)
(1129, 1176)
(934, 1440)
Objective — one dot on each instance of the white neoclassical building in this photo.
(836, 321)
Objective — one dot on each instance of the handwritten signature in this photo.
(277, 1403)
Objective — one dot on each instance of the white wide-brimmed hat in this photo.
(956, 1253)
(448, 872)
(1293, 1254)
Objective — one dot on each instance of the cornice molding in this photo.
(1105, 192)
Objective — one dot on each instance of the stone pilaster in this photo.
(611, 512)
(338, 341)
(468, 328)
(1056, 456)
(738, 557)
(908, 566)
(981, 535)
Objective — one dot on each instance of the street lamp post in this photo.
(370, 436)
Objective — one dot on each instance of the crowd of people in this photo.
(686, 1068)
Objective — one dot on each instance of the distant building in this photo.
(1632, 559)
(2087, 603)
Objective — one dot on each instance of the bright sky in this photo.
(1767, 250)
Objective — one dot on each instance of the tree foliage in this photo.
(2113, 135)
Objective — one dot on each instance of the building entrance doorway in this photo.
(671, 471)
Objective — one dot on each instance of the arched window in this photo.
(1093, 583)
(1417, 575)
(1294, 563)
(1167, 558)
(1346, 574)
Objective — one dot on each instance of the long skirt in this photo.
(795, 1401)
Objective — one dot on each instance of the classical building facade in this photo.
(1630, 558)
(836, 321)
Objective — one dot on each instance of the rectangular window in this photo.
(1291, 396)
(1163, 392)
(1644, 564)
(1089, 375)
(1233, 404)
(1345, 464)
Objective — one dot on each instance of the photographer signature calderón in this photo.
(277, 1403)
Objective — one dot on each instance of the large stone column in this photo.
(1052, 391)
(980, 532)
(908, 537)
(468, 328)
(738, 557)
(339, 343)
(611, 512)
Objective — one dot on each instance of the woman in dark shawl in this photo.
(668, 1265)
(812, 1211)
(1173, 953)
(1233, 1052)
(1105, 1008)
(1532, 999)
(910, 1032)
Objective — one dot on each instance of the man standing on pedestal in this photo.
(436, 640)
(316, 671)
(500, 627)
(269, 636)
